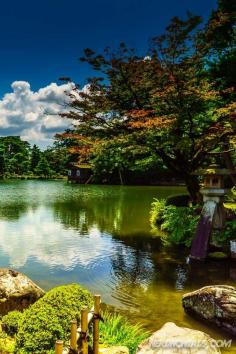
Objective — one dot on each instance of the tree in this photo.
(43, 169)
(164, 102)
(57, 157)
(2, 163)
(16, 154)
(35, 157)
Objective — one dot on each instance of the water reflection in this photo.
(100, 236)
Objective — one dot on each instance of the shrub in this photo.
(178, 223)
(181, 200)
(116, 330)
(10, 322)
(157, 211)
(50, 318)
(222, 237)
(7, 344)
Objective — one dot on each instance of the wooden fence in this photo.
(79, 335)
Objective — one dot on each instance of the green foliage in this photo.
(43, 168)
(116, 330)
(179, 223)
(10, 322)
(7, 344)
(157, 211)
(181, 200)
(49, 319)
(35, 157)
(18, 159)
(223, 237)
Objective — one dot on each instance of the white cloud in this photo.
(34, 115)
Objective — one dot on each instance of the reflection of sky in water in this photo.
(38, 244)
(36, 234)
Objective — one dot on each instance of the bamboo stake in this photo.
(73, 335)
(97, 301)
(59, 347)
(84, 330)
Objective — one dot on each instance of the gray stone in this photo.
(171, 339)
(214, 304)
(17, 291)
(114, 350)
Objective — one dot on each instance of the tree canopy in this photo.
(166, 103)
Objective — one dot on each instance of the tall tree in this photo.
(35, 157)
(163, 102)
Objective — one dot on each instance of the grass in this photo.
(117, 330)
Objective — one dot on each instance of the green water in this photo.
(99, 236)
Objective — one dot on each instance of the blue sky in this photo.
(41, 41)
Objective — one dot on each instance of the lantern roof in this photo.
(215, 170)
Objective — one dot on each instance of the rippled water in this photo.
(99, 236)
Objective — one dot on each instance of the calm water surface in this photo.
(99, 236)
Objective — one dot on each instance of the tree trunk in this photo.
(121, 179)
(193, 188)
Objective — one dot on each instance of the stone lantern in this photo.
(213, 212)
(213, 192)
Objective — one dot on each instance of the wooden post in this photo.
(97, 301)
(84, 330)
(59, 347)
(73, 335)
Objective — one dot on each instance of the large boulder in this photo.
(215, 304)
(171, 339)
(17, 291)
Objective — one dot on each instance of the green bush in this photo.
(222, 237)
(157, 211)
(178, 223)
(116, 330)
(10, 322)
(181, 200)
(50, 318)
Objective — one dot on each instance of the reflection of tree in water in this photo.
(13, 211)
(133, 272)
(74, 215)
(116, 213)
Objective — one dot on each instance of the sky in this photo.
(41, 40)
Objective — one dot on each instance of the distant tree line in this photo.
(19, 158)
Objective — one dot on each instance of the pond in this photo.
(100, 237)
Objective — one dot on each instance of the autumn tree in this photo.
(163, 101)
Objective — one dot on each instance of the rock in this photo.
(17, 291)
(171, 339)
(215, 304)
(114, 350)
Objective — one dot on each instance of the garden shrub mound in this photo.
(11, 322)
(50, 319)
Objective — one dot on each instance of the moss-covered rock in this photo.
(217, 255)
(215, 304)
(50, 319)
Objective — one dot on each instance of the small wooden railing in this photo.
(79, 335)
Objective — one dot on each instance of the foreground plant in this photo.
(117, 330)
